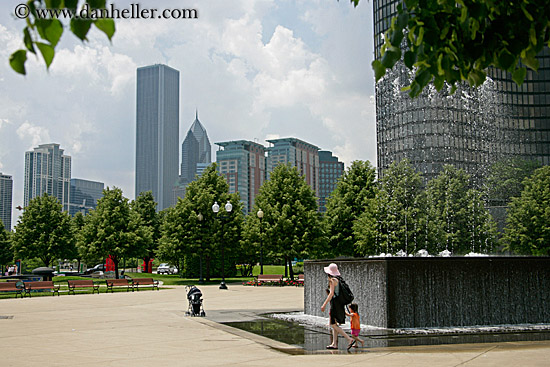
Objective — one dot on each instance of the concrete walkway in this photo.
(149, 328)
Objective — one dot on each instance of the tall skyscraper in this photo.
(157, 132)
(243, 164)
(84, 195)
(299, 154)
(6, 194)
(330, 171)
(195, 151)
(47, 170)
(471, 129)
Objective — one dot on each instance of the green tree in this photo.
(144, 206)
(6, 252)
(44, 28)
(505, 179)
(528, 223)
(109, 230)
(291, 225)
(457, 40)
(396, 220)
(457, 215)
(345, 205)
(191, 229)
(44, 231)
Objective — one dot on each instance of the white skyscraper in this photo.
(47, 170)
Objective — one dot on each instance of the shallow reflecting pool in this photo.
(313, 337)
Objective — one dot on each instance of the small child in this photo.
(355, 324)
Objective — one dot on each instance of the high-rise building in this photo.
(47, 170)
(243, 164)
(299, 154)
(330, 171)
(6, 194)
(195, 150)
(84, 195)
(470, 129)
(157, 132)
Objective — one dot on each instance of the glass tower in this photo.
(157, 132)
(331, 170)
(6, 194)
(195, 151)
(47, 170)
(471, 129)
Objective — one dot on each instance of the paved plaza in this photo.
(149, 328)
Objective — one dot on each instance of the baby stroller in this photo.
(195, 302)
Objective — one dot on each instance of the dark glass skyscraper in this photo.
(195, 149)
(157, 132)
(330, 171)
(84, 195)
(470, 129)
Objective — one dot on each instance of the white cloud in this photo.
(35, 134)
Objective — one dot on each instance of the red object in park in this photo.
(147, 268)
(109, 264)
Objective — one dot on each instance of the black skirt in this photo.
(337, 312)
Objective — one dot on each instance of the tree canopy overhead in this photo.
(457, 40)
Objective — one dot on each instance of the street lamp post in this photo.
(216, 209)
(260, 215)
(201, 280)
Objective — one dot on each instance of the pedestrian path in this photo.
(150, 328)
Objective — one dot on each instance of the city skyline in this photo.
(256, 71)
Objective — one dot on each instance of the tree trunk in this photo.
(147, 269)
(286, 269)
(115, 261)
(208, 268)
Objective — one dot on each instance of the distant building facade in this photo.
(157, 132)
(47, 170)
(84, 195)
(330, 171)
(6, 195)
(243, 163)
(304, 156)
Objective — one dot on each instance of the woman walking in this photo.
(337, 313)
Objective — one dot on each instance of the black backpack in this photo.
(346, 295)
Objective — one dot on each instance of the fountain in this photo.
(420, 292)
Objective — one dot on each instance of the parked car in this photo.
(98, 267)
(167, 269)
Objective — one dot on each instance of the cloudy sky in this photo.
(254, 69)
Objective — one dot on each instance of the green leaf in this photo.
(409, 59)
(379, 69)
(527, 15)
(439, 82)
(402, 20)
(506, 60)
(396, 37)
(391, 56)
(519, 75)
(17, 61)
(27, 39)
(107, 26)
(530, 60)
(80, 27)
(423, 77)
(47, 52)
(53, 32)
(476, 77)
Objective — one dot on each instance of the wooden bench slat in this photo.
(11, 287)
(269, 278)
(84, 283)
(137, 282)
(111, 283)
(41, 285)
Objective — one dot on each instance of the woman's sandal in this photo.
(331, 347)
(351, 344)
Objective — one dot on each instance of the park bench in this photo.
(11, 287)
(140, 282)
(86, 283)
(111, 283)
(41, 285)
(269, 278)
(300, 280)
